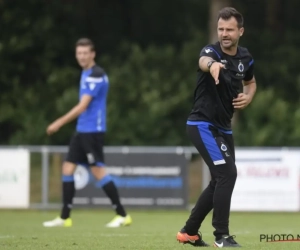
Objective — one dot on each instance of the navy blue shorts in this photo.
(87, 149)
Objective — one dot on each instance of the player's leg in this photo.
(68, 186)
(93, 144)
(204, 203)
(74, 155)
(107, 184)
(218, 154)
(204, 142)
(226, 178)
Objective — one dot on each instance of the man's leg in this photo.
(68, 188)
(216, 154)
(202, 207)
(93, 146)
(220, 158)
(204, 203)
(105, 181)
(74, 155)
(226, 178)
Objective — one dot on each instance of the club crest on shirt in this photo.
(223, 147)
(92, 86)
(241, 67)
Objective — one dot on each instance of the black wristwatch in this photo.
(210, 63)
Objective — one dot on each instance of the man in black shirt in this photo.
(225, 83)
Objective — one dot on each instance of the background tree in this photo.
(150, 50)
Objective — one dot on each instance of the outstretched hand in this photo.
(215, 70)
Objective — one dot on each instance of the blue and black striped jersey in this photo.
(93, 82)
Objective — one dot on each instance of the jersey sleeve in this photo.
(250, 72)
(93, 84)
(210, 52)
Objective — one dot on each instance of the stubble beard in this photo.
(233, 44)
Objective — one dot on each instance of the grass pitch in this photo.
(150, 230)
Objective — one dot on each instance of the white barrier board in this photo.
(267, 181)
(14, 178)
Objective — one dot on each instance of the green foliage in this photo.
(151, 94)
(150, 52)
(267, 119)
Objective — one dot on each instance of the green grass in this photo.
(150, 230)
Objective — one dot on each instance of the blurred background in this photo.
(150, 51)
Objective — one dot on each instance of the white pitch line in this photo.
(6, 236)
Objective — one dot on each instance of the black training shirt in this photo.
(213, 103)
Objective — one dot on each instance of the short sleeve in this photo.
(210, 52)
(93, 85)
(250, 72)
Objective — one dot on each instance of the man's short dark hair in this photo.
(228, 12)
(85, 42)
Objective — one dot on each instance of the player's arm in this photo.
(71, 115)
(203, 63)
(76, 110)
(208, 62)
(249, 89)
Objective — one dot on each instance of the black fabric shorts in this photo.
(216, 148)
(87, 149)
